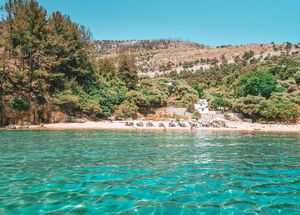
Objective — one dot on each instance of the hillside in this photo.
(58, 74)
(159, 57)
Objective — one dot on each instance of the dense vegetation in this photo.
(46, 63)
(266, 92)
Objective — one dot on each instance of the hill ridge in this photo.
(160, 57)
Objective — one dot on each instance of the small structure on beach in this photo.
(202, 106)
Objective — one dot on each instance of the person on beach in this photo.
(193, 126)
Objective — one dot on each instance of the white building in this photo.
(202, 106)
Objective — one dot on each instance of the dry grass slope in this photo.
(158, 57)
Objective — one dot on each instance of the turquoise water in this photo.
(104, 172)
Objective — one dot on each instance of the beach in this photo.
(121, 125)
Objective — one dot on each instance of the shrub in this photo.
(126, 110)
(294, 97)
(1, 105)
(290, 85)
(135, 97)
(105, 67)
(256, 84)
(279, 109)
(66, 99)
(249, 106)
(248, 55)
(199, 88)
(109, 96)
(227, 115)
(147, 98)
(189, 99)
(154, 98)
(196, 115)
(19, 105)
(90, 106)
(182, 88)
(289, 71)
(297, 77)
(220, 102)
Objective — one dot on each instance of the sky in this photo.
(210, 22)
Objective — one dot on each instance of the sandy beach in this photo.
(120, 125)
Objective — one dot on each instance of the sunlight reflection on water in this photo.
(142, 173)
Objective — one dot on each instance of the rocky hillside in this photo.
(158, 57)
(119, 46)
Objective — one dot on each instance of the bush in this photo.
(1, 105)
(294, 97)
(257, 84)
(248, 55)
(189, 100)
(182, 88)
(135, 97)
(290, 85)
(279, 109)
(220, 102)
(147, 98)
(109, 96)
(19, 105)
(66, 99)
(90, 107)
(199, 88)
(227, 115)
(196, 115)
(287, 70)
(297, 77)
(126, 110)
(154, 98)
(106, 68)
(249, 106)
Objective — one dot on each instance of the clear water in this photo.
(103, 172)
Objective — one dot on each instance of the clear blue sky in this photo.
(212, 22)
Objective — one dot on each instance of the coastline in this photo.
(120, 125)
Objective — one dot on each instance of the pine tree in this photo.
(66, 49)
(128, 70)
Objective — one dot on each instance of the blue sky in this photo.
(211, 22)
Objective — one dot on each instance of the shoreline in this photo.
(120, 126)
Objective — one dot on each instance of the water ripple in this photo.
(148, 173)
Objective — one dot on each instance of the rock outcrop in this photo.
(35, 115)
